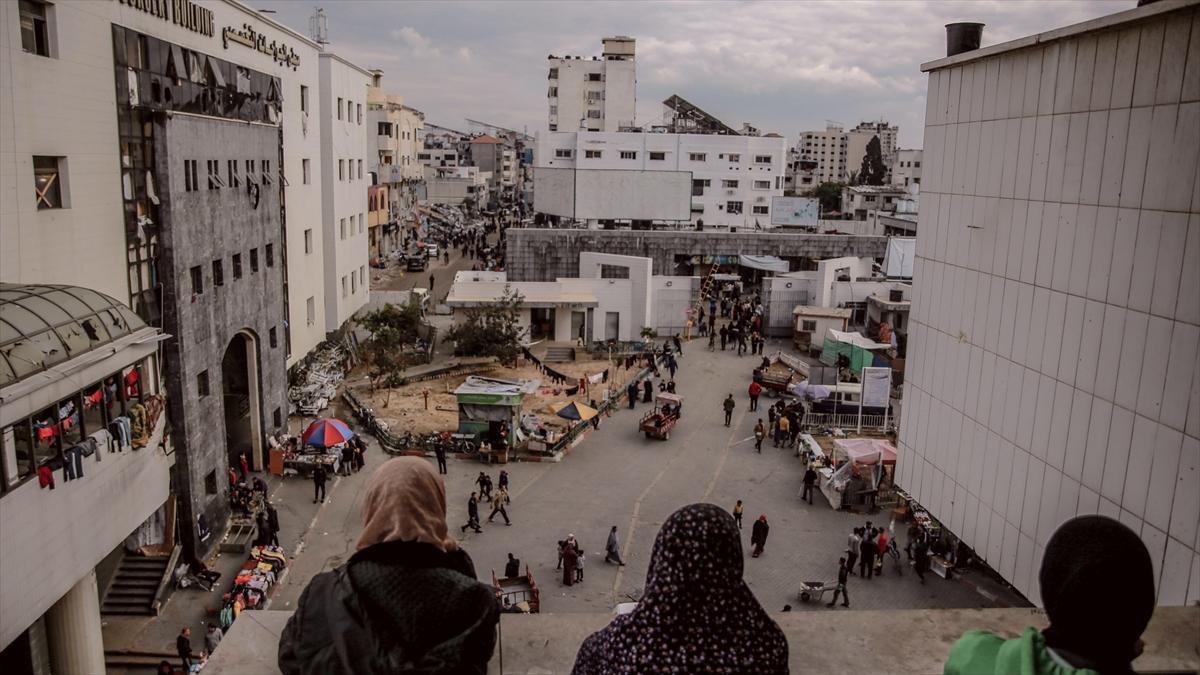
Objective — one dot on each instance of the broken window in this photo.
(214, 174)
(306, 170)
(47, 182)
(197, 274)
(553, 74)
(35, 32)
(266, 172)
(270, 250)
(218, 268)
(237, 265)
(189, 175)
(234, 179)
(253, 260)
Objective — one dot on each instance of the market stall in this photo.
(489, 409)
(858, 466)
(322, 443)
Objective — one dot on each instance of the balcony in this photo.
(819, 643)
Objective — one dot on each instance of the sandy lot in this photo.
(405, 407)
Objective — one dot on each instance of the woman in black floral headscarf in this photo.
(697, 614)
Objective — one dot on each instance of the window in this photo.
(697, 208)
(342, 228)
(360, 173)
(308, 241)
(304, 99)
(385, 129)
(232, 169)
(270, 252)
(552, 93)
(553, 127)
(306, 171)
(562, 153)
(345, 286)
(362, 275)
(698, 185)
(266, 171)
(310, 310)
(341, 169)
(339, 110)
(277, 417)
(354, 282)
(35, 33)
(210, 483)
(273, 337)
(658, 156)
(592, 154)
(729, 183)
(202, 383)
(595, 77)
(733, 207)
(734, 158)
(237, 265)
(916, 165)
(188, 181)
(808, 326)
(253, 260)
(553, 110)
(760, 210)
(762, 159)
(553, 74)
(47, 180)
(358, 109)
(197, 274)
(214, 174)
(593, 114)
(698, 156)
(762, 185)
(218, 273)
(361, 223)
(628, 154)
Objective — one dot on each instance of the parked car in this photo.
(416, 263)
(431, 250)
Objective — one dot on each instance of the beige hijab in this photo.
(406, 501)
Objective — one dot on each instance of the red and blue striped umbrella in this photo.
(327, 433)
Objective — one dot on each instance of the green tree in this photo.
(491, 330)
(873, 171)
(830, 196)
(649, 333)
(391, 328)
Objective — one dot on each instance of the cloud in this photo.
(782, 66)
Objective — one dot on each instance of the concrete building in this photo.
(344, 182)
(725, 181)
(906, 167)
(597, 93)
(493, 156)
(859, 200)
(858, 138)
(396, 128)
(455, 185)
(72, 363)
(827, 149)
(1053, 367)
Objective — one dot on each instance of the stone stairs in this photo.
(559, 355)
(135, 587)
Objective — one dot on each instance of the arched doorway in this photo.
(241, 398)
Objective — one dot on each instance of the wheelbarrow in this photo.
(816, 589)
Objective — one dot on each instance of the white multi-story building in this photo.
(828, 149)
(732, 178)
(395, 127)
(906, 167)
(596, 93)
(1053, 366)
(344, 185)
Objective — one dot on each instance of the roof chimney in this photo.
(963, 37)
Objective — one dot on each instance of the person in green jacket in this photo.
(1093, 630)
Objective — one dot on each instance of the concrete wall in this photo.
(1052, 361)
(780, 297)
(673, 297)
(52, 539)
(547, 254)
(199, 227)
(639, 277)
(344, 196)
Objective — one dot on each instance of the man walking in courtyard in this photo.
(852, 545)
(738, 510)
(612, 549)
(810, 479)
(754, 391)
(499, 499)
(319, 477)
(472, 515)
(439, 451)
(760, 432)
(843, 575)
(729, 406)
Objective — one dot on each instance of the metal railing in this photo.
(846, 420)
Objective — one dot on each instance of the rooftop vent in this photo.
(963, 37)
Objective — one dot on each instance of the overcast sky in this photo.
(782, 66)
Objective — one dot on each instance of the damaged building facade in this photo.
(169, 155)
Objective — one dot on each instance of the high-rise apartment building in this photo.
(861, 135)
(594, 94)
(1053, 365)
(828, 149)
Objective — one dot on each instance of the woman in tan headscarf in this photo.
(406, 601)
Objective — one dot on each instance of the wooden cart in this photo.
(517, 595)
(666, 413)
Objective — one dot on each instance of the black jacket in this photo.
(758, 533)
(397, 607)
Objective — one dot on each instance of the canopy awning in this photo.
(866, 450)
(767, 263)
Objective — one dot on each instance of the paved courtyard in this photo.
(617, 477)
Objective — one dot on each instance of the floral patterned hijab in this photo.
(697, 615)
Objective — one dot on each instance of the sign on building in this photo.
(795, 211)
